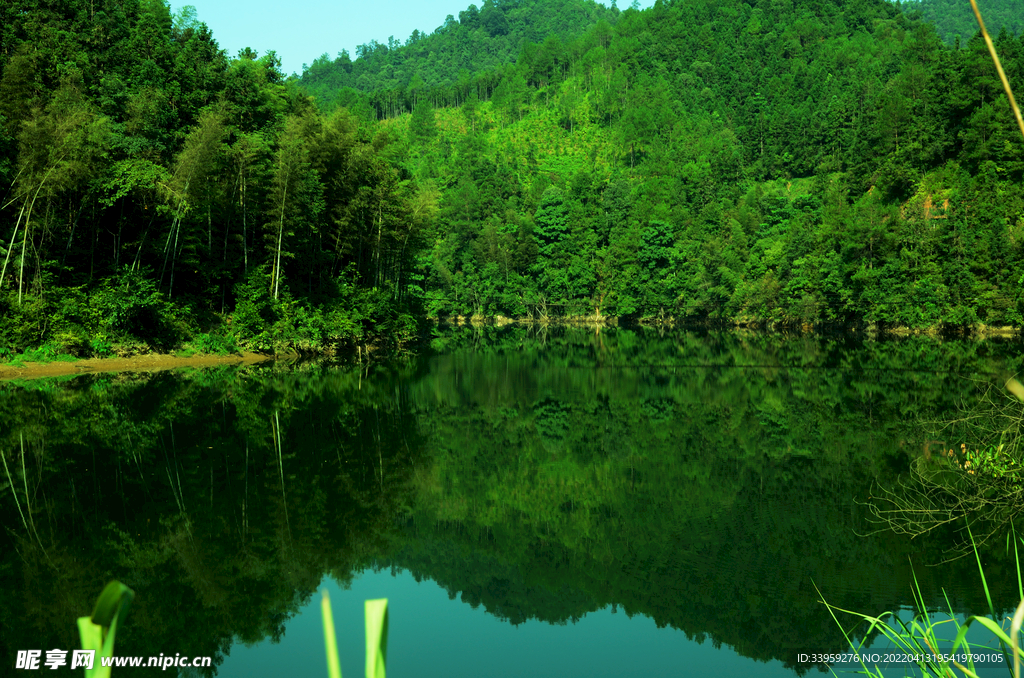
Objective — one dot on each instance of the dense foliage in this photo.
(440, 65)
(955, 20)
(150, 182)
(784, 162)
(781, 162)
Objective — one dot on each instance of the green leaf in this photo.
(98, 631)
(112, 603)
(376, 637)
(330, 639)
(1014, 387)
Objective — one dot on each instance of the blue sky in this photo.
(302, 30)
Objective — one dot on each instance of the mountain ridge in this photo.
(479, 39)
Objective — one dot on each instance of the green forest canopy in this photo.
(954, 19)
(494, 35)
(784, 161)
(479, 39)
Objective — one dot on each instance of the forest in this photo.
(955, 20)
(768, 163)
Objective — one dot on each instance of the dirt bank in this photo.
(143, 363)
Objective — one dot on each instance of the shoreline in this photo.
(159, 362)
(870, 330)
(151, 362)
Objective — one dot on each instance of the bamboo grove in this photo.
(147, 178)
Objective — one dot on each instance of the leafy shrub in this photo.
(24, 324)
(130, 304)
(100, 345)
(346, 314)
(255, 311)
(215, 344)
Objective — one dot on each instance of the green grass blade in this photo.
(1015, 624)
(1016, 560)
(849, 641)
(99, 630)
(92, 639)
(1014, 386)
(981, 571)
(993, 627)
(330, 639)
(113, 602)
(376, 637)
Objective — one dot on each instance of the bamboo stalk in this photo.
(280, 237)
(276, 426)
(3, 270)
(10, 480)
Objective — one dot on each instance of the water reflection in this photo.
(434, 636)
(697, 482)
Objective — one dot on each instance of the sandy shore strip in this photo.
(154, 362)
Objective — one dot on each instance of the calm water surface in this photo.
(556, 502)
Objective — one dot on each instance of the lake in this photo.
(532, 501)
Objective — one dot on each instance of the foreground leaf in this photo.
(330, 640)
(98, 630)
(376, 637)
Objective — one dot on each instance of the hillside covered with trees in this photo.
(955, 20)
(784, 161)
(443, 62)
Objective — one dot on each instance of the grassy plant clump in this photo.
(101, 346)
(924, 637)
(215, 344)
(47, 353)
(286, 323)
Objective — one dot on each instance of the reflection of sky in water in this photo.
(431, 635)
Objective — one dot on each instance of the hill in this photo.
(716, 161)
(480, 39)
